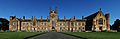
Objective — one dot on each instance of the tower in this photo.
(53, 18)
(107, 21)
(13, 23)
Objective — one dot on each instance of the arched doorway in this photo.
(53, 26)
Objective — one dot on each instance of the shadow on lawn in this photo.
(74, 35)
(35, 35)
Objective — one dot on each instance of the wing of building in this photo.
(95, 22)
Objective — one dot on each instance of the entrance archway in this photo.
(53, 26)
(100, 28)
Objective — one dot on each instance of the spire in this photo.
(34, 17)
(56, 9)
(51, 10)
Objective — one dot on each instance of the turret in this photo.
(34, 21)
(51, 11)
(64, 18)
(23, 17)
(74, 18)
(107, 21)
(11, 22)
(41, 18)
(107, 16)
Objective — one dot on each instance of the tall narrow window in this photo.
(45, 24)
(14, 23)
(53, 23)
(82, 24)
(100, 21)
(72, 24)
(33, 23)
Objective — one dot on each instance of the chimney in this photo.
(82, 17)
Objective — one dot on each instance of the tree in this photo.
(4, 24)
(116, 25)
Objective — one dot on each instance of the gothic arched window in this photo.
(100, 21)
(14, 23)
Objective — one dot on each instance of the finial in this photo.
(50, 9)
(100, 9)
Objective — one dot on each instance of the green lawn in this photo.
(96, 35)
(17, 35)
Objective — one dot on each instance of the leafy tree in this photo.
(4, 24)
(116, 25)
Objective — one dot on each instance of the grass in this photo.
(96, 35)
(17, 35)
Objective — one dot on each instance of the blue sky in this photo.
(68, 8)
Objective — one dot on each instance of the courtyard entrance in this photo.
(53, 27)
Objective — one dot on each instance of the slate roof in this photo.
(26, 20)
(80, 20)
(47, 20)
(93, 15)
(64, 20)
(43, 20)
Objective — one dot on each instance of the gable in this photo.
(92, 16)
(100, 15)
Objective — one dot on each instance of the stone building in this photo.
(98, 22)
(54, 23)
